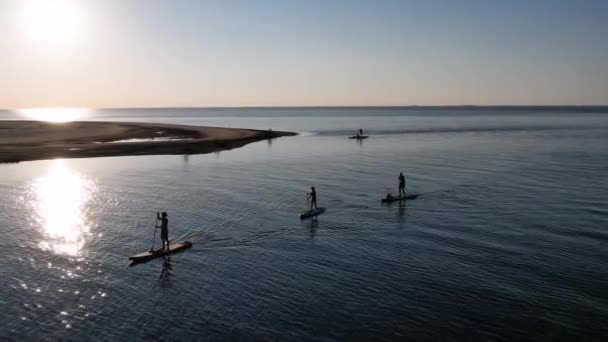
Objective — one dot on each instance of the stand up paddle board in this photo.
(157, 253)
(359, 137)
(311, 213)
(400, 198)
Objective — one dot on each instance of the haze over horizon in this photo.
(186, 53)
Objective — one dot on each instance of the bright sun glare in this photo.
(54, 114)
(59, 201)
(52, 21)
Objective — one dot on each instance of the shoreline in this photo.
(38, 140)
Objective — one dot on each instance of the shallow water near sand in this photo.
(507, 241)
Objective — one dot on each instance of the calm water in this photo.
(507, 242)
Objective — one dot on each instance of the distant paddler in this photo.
(402, 192)
(401, 184)
(164, 229)
(312, 196)
(314, 210)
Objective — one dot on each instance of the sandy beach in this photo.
(36, 140)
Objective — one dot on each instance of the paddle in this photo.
(308, 201)
(155, 228)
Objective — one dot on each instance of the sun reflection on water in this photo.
(59, 201)
(56, 115)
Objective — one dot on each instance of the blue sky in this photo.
(152, 53)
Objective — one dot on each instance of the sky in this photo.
(198, 53)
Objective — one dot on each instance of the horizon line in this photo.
(464, 106)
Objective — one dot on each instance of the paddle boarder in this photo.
(313, 198)
(401, 184)
(164, 229)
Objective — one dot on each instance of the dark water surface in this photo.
(507, 241)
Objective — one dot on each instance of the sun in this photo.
(52, 21)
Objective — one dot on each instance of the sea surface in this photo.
(507, 241)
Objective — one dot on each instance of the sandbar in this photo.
(38, 140)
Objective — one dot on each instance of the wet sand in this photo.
(36, 140)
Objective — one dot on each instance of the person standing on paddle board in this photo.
(313, 198)
(164, 229)
(401, 184)
(359, 134)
